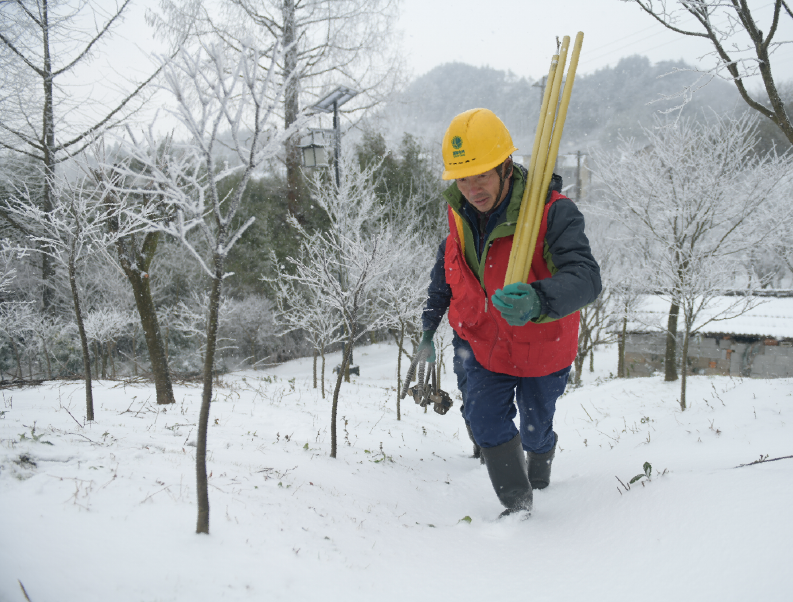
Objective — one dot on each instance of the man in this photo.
(517, 342)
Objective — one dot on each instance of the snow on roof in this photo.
(769, 317)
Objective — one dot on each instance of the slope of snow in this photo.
(108, 510)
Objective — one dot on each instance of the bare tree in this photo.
(217, 93)
(621, 270)
(42, 44)
(190, 318)
(9, 254)
(697, 199)
(402, 295)
(302, 307)
(72, 230)
(346, 262)
(14, 324)
(135, 253)
(250, 322)
(326, 43)
(743, 47)
(46, 330)
(104, 326)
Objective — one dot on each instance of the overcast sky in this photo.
(520, 35)
(508, 35)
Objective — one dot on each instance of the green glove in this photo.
(427, 346)
(517, 302)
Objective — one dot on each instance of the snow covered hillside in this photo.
(106, 511)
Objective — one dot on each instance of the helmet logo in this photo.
(457, 142)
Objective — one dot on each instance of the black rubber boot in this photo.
(540, 466)
(506, 467)
(477, 449)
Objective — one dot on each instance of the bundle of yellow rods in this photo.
(543, 158)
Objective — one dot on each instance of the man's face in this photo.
(481, 189)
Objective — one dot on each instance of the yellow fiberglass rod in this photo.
(524, 203)
(527, 232)
(523, 230)
(554, 150)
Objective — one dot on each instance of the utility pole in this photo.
(541, 85)
(336, 142)
(328, 104)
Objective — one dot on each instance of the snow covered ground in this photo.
(107, 511)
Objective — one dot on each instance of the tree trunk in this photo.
(314, 358)
(202, 486)
(670, 358)
(48, 135)
(253, 349)
(579, 366)
(151, 332)
(401, 342)
(343, 368)
(78, 316)
(15, 351)
(621, 368)
(135, 264)
(348, 364)
(47, 357)
(684, 370)
(96, 357)
(322, 374)
(135, 350)
(592, 360)
(291, 110)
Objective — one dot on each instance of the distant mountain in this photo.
(607, 103)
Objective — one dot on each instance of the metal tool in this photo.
(424, 392)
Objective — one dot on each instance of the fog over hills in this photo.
(606, 104)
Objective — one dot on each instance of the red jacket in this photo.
(530, 350)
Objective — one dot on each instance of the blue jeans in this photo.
(490, 405)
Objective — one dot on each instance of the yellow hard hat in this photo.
(475, 142)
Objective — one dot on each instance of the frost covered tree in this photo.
(595, 328)
(621, 270)
(135, 253)
(627, 287)
(9, 255)
(403, 291)
(72, 230)
(104, 326)
(325, 43)
(744, 39)
(190, 318)
(46, 330)
(347, 261)
(696, 199)
(250, 324)
(44, 113)
(301, 307)
(224, 97)
(14, 324)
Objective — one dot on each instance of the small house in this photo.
(757, 343)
